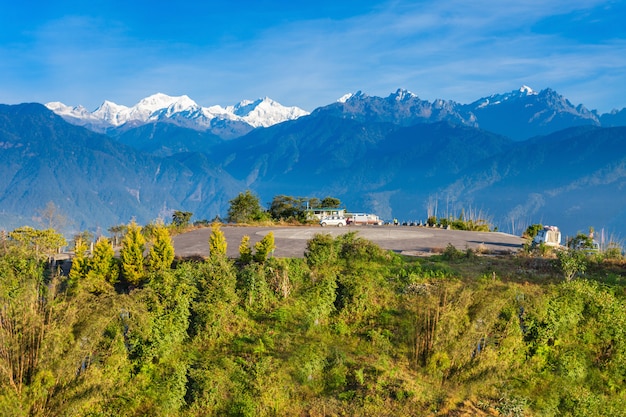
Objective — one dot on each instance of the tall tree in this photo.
(331, 202)
(80, 262)
(217, 241)
(51, 217)
(284, 207)
(131, 255)
(102, 262)
(245, 208)
(161, 253)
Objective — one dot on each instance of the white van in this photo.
(338, 221)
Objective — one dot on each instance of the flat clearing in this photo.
(291, 240)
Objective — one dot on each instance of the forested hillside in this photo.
(349, 329)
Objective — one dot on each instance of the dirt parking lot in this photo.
(291, 240)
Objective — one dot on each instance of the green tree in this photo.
(245, 251)
(532, 230)
(131, 255)
(245, 208)
(103, 262)
(264, 248)
(330, 202)
(181, 218)
(44, 242)
(80, 262)
(571, 262)
(161, 253)
(285, 207)
(580, 242)
(217, 241)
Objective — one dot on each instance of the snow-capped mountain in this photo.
(496, 99)
(181, 111)
(524, 113)
(518, 114)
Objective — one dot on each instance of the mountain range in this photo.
(226, 122)
(516, 158)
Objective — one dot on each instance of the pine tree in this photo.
(264, 248)
(245, 251)
(217, 241)
(131, 255)
(102, 262)
(80, 262)
(161, 253)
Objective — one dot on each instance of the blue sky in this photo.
(309, 54)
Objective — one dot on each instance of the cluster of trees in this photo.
(350, 329)
(246, 208)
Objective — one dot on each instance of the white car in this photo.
(338, 221)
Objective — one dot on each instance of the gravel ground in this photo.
(291, 240)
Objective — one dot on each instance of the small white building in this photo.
(318, 213)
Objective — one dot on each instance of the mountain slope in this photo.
(371, 166)
(93, 179)
(166, 139)
(573, 178)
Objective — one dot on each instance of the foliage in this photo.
(217, 241)
(351, 329)
(264, 248)
(181, 219)
(161, 254)
(132, 255)
(102, 262)
(285, 207)
(80, 263)
(245, 251)
(330, 202)
(532, 231)
(580, 242)
(44, 242)
(571, 263)
(245, 208)
(466, 221)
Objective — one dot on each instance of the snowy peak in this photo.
(180, 110)
(160, 101)
(402, 95)
(266, 112)
(112, 113)
(526, 90)
(352, 96)
(523, 92)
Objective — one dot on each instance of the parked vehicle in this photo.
(549, 236)
(364, 219)
(338, 221)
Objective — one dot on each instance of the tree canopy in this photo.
(245, 208)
